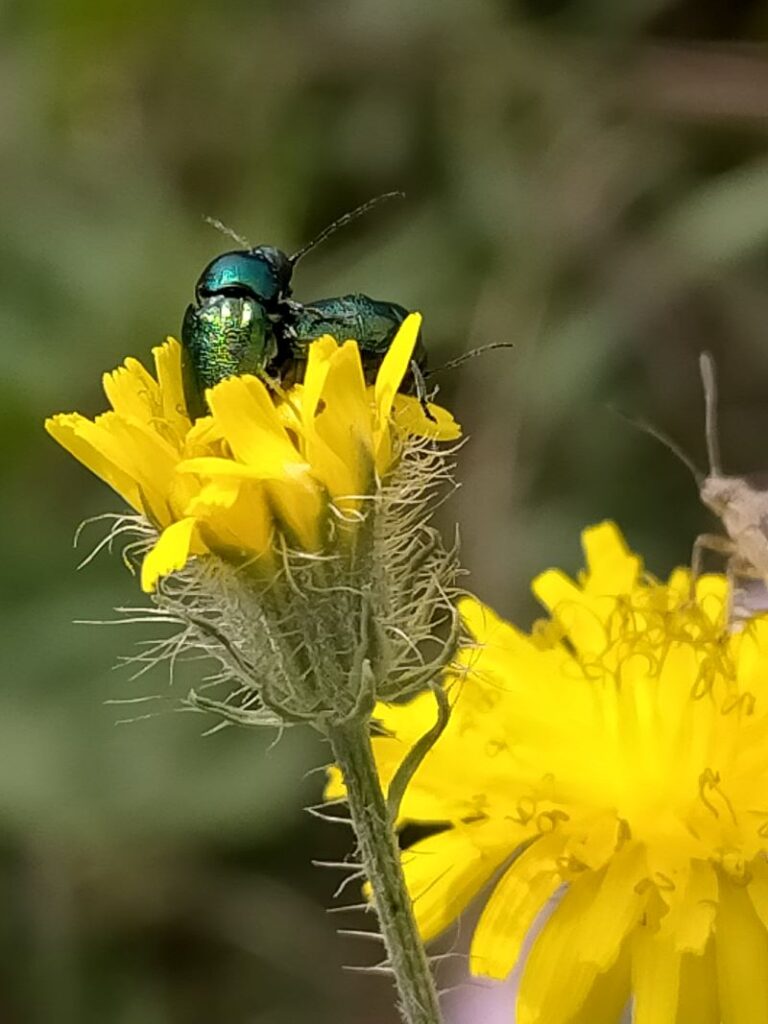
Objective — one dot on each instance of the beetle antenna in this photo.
(342, 222)
(648, 428)
(465, 358)
(227, 231)
(709, 382)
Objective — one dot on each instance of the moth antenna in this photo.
(242, 242)
(659, 435)
(709, 382)
(460, 360)
(342, 222)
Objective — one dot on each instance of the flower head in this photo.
(286, 535)
(614, 763)
(222, 483)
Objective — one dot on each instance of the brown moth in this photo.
(741, 504)
(737, 501)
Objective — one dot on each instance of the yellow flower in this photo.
(223, 483)
(613, 764)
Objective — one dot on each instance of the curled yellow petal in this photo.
(409, 416)
(172, 550)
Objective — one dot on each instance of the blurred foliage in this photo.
(586, 179)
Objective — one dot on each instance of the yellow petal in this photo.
(758, 889)
(217, 494)
(689, 923)
(612, 568)
(338, 475)
(655, 978)
(301, 412)
(151, 459)
(393, 368)
(609, 996)
(319, 359)
(204, 436)
(127, 454)
(698, 1000)
(427, 797)
(741, 953)
(345, 394)
(235, 511)
(519, 897)
(270, 466)
(583, 938)
(410, 417)
(567, 604)
(300, 508)
(555, 980)
(395, 365)
(488, 628)
(132, 391)
(445, 872)
(244, 528)
(344, 425)
(92, 446)
(614, 909)
(171, 552)
(334, 786)
(169, 377)
(712, 597)
(246, 415)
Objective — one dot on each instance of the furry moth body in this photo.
(742, 507)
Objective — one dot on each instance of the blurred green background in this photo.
(586, 179)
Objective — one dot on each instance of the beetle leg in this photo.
(274, 384)
(421, 390)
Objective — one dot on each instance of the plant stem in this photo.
(381, 863)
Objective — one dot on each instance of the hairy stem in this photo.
(381, 862)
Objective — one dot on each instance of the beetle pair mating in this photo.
(244, 320)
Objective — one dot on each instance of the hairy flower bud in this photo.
(290, 538)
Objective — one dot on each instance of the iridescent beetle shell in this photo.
(230, 328)
(373, 323)
(221, 338)
(263, 273)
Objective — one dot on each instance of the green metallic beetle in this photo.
(372, 322)
(243, 320)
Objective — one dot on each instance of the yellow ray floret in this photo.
(226, 482)
(612, 765)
